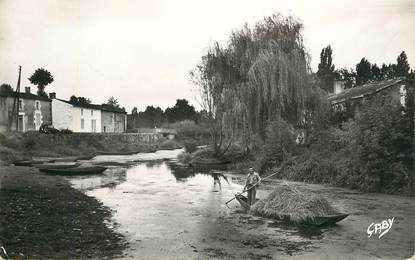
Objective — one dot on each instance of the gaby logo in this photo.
(380, 228)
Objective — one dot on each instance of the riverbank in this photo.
(318, 167)
(19, 146)
(42, 217)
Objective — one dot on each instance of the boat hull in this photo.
(317, 221)
(76, 171)
(57, 166)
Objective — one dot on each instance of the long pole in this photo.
(245, 190)
(16, 97)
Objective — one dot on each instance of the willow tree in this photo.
(261, 75)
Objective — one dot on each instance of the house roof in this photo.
(24, 95)
(103, 107)
(109, 108)
(363, 90)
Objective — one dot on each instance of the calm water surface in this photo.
(167, 211)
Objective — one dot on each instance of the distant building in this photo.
(33, 111)
(80, 118)
(87, 118)
(113, 119)
(167, 133)
(355, 97)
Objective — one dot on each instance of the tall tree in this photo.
(388, 71)
(181, 111)
(112, 101)
(41, 78)
(326, 68)
(6, 89)
(363, 72)
(263, 74)
(402, 65)
(348, 76)
(376, 72)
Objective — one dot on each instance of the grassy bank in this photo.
(42, 217)
(17, 146)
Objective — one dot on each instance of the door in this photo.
(20, 123)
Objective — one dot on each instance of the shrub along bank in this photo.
(371, 152)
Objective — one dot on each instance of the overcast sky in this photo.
(141, 52)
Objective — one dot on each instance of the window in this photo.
(82, 122)
(105, 129)
(82, 111)
(20, 104)
(92, 112)
(93, 125)
(37, 105)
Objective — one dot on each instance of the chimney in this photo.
(27, 90)
(52, 95)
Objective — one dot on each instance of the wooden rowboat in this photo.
(76, 171)
(31, 162)
(243, 201)
(117, 153)
(56, 166)
(317, 221)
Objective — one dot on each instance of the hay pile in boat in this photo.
(289, 203)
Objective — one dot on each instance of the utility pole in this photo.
(16, 103)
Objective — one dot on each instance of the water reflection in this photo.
(183, 172)
(111, 178)
(87, 183)
(165, 208)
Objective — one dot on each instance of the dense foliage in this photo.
(367, 72)
(79, 100)
(155, 116)
(261, 75)
(41, 78)
(6, 89)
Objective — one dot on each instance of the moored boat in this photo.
(76, 171)
(315, 220)
(31, 162)
(118, 153)
(56, 166)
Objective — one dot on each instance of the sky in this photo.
(141, 52)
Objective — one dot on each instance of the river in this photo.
(167, 211)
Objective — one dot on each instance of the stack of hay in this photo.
(288, 203)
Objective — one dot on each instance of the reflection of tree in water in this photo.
(115, 176)
(154, 163)
(182, 172)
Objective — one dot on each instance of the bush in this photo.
(372, 152)
(279, 144)
(184, 158)
(189, 129)
(190, 145)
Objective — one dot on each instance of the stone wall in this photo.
(115, 138)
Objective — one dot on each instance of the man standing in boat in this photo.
(251, 184)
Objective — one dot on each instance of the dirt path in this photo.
(44, 217)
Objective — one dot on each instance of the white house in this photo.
(81, 118)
